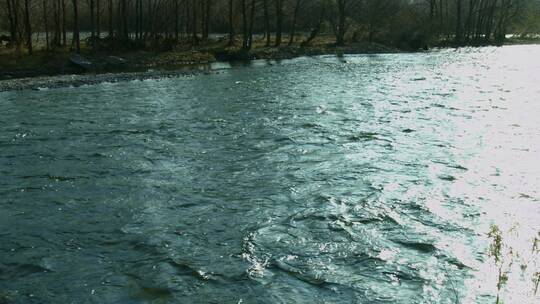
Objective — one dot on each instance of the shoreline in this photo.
(110, 67)
(144, 65)
(78, 80)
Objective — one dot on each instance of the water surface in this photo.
(361, 179)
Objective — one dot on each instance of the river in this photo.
(353, 179)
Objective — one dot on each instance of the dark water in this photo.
(363, 179)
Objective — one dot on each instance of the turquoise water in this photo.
(359, 179)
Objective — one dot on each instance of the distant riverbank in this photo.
(62, 62)
(74, 80)
(68, 69)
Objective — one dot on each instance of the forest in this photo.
(164, 24)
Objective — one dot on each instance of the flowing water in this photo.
(355, 179)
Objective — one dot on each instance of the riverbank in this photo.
(76, 80)
(63, 62)
(61, 68)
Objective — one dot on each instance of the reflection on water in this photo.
(362, 179)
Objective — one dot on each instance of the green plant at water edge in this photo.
(536, 244)
(536, 250)
(504, 256)
(496, 252)
(536, 280)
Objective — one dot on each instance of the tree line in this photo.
(139, 23)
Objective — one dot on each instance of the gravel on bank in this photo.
(50, 82)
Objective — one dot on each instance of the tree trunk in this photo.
(12, 24)
(252, 18)
(208, 9)
(150, 29)
(231, 22)
(187, 20)
(500, 33)
(92, 19)
(293, 27)
(245, 41)
(76, 38)
(244, 23)
(317, 28)
(18, 38)
(125, 30)
(479, 30)
(489, 22)
(467, 29)
(137, 20)
(64, 23)
(110, 16)
(279, 21)
(176, 20)
(371, 32)
(195, 38)
(141, 20)
(202, 11)
(98, 19)
(57, 23)
(441, 19)
(431, 14)
(459, 25)
(46, 24)
(267, 24)
(340, 33)
(28, 26)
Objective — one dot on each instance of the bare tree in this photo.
(12, 17)
(176, 20)
(194, 37)
(64, 22)
(279, 21)
(459, 25)
(231, 22)
(91, 5)
(110, 15)
(340, 27)
(386, 21)
(125, 29)
(267, 33)
(244, 26)
(316, 28)
(28, 26)
(292, 34)
(98, 18)
(45, 5)
(76, 35)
